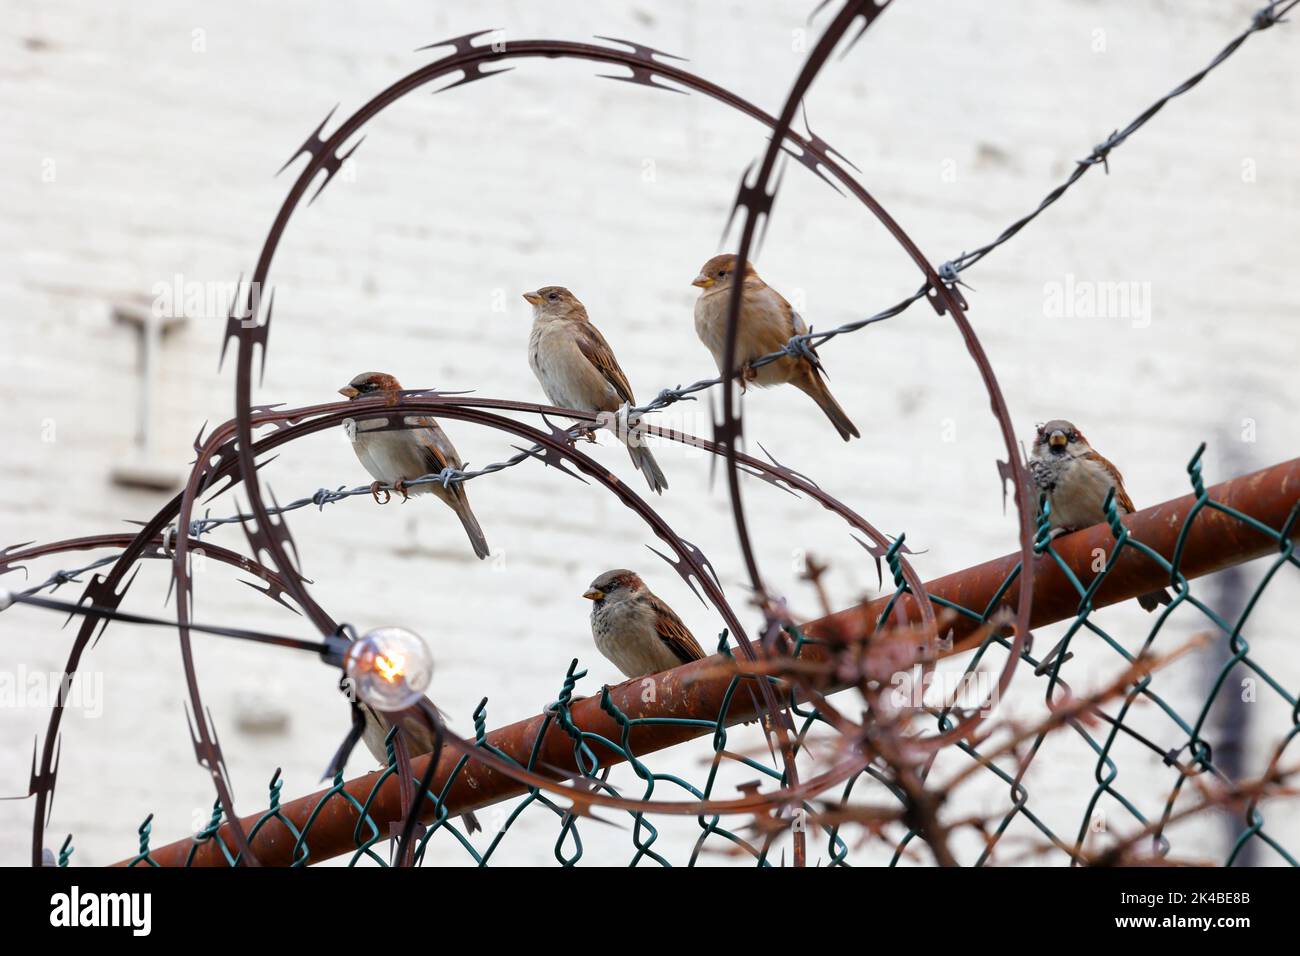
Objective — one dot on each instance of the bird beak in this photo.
(1058, 440)
(594, 594)
(704, 282)
(532, 298)
(347, 391)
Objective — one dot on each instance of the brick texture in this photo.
(140, 146)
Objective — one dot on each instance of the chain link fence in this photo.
(818, 782)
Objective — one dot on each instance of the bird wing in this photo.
(794, 323)
(674, 633)
(1121, 496)
(597, 351)
(436, 448)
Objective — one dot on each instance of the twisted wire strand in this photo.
(798, 346)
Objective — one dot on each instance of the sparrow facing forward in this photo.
(1076, 481)
(396, 457)
(767, 322)
(636, 631)
(577, 369)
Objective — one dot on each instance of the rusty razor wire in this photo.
(833, 781)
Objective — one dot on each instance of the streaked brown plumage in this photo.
(635, 630)
(577, 369)
(767, 322)
(394, 457)
(1076, 480)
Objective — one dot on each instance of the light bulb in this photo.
(390, 667)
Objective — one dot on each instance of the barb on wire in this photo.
(877, 748)
(327, 496)
(950, 271)
(1263, 19)
(889, 805)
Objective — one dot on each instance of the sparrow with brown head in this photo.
(396, 456)
(1076, 480)
(766, 323)
(577, 369)
(636, 631)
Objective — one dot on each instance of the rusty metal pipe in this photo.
(1216, 541)
(696, 690)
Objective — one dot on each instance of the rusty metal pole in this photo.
(696, 690)
(1216, 541)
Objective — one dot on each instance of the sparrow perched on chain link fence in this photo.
(1076, 480)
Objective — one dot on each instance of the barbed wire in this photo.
(905, 778)
(1263, 19)
(69, 576)
(889, 818)
(800, 346)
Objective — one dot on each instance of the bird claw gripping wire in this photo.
(375, 488)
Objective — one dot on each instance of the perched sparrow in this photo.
(577, 369)
(395, 457)
(1076, 481)
(766, 324)
(415, 731)
(635, 630)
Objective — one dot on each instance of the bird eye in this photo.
(722, 273)
(1073, 436)
(553, 297)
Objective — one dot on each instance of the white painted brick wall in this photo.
(163, 159)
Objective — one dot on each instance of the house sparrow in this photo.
(766, 324)
(395, 457)
(1076, 481)
(635, 630)
(417, 734)
(577, 369)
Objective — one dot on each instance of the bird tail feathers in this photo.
(817, 390)
(646, 464)
(472, 528)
